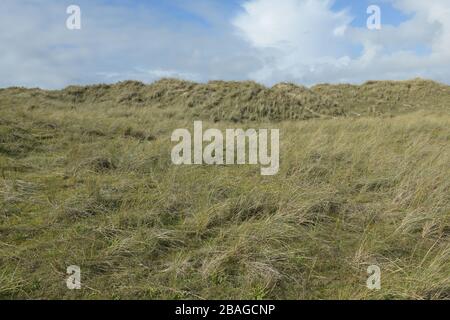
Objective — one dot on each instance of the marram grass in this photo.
(86, 179)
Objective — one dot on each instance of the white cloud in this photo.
(306, 31)
(431, 13)
(117, 42)
(306, 41)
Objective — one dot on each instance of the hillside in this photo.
(247, 101)
(86, 179)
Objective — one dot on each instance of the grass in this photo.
(86, 179)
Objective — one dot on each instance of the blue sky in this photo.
(269, 41)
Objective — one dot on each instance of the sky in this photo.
(268, 41)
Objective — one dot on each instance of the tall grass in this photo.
(91, 184)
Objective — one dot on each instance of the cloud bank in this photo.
(307, 41)
(303, 41)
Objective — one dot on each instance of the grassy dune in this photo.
(86, 179)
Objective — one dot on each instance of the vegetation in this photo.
(86, 179)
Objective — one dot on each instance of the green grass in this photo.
(90, 182)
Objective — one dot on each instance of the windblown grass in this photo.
(86, 179)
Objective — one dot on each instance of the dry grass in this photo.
(86, 179)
